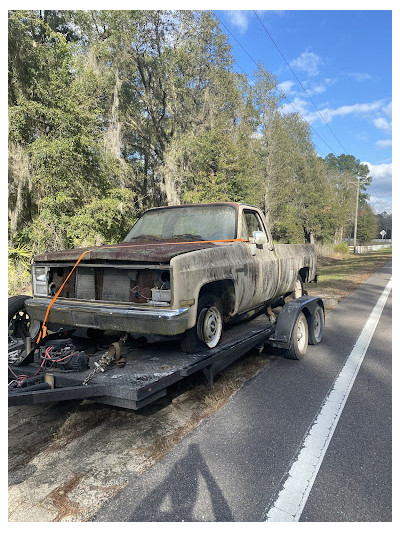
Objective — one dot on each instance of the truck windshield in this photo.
(197, 222)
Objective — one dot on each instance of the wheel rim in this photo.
(301, 335)
(212, 327)
(318, 323)
(298, 291)
(21, 326)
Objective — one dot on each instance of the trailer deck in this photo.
(150, 370)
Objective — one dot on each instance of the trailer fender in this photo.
(288, 316)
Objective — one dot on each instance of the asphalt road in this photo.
(234, 465)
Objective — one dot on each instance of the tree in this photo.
(367, 226)
(345, 171)
(168, 66)
(56, 133)
(385, 223)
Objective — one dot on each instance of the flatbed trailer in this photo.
(148, 371)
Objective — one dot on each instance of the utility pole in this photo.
(356, 217)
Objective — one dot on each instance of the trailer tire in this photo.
(299, 341)
(316, 325)
(20, 324)
(208, 329)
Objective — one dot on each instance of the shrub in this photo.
(19, 277)
(341, 248)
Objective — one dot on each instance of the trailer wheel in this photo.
(299, 340)
(20, 325)
(208, 329)
(316, 325)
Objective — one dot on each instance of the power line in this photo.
(259, 66)
(301, 85)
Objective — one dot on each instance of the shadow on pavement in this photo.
(175, 498)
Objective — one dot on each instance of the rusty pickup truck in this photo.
(181, 272)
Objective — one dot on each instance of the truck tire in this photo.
(316, 325)
(299, 287)
(298, 290)
(20, 325)
(299, 340)
(208, 329)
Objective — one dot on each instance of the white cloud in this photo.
(359, 76)
(358, 109)
(380, 189)
(383, 144)
(291, 88)
(380, 203)
(297, 104)
(286, 87)
(239, 19)
(317, 89)
(383, 124)
(388, 110)
(307, 62)
(381, 173)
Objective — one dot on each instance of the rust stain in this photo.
(60, 499)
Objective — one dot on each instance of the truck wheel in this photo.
(298, 290)
(299, 287)
(20, 326)
(208, 329)
(299, 340)
(316, 325)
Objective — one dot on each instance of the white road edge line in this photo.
(290, 502)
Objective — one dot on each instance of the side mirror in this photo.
(259, 237)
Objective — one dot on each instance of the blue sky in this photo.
(344, 61)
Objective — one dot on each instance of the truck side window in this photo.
(245, 233)
(253, 223)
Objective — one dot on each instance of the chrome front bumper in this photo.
(105, 316)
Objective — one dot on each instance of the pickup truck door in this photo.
(261, 259)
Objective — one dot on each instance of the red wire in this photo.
(22, 377)
(58, 360)
(40, 368)
(13, 373)
(19, 377)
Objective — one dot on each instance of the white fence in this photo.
(371, 248)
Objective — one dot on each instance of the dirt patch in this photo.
(24, 439)
(59, 497)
